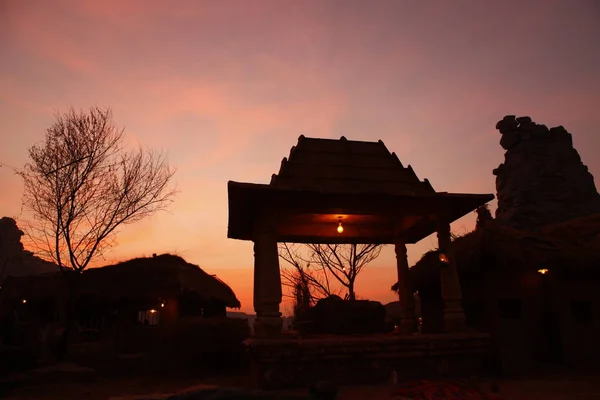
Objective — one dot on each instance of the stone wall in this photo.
(542, 180)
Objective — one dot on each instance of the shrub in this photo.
(336, 316)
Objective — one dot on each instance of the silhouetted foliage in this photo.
(336, 316)
(483, 216)
(302, 295)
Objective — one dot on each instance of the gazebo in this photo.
(344, 191)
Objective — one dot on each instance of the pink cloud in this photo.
(28, 26)
(236, 123)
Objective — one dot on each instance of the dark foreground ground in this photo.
(547, 386)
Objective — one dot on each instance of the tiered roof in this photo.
(347, 166)
(361, 183)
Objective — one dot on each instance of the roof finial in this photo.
(343, 138)
(397, 159)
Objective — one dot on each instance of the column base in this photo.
(455, 322)
(268, 326)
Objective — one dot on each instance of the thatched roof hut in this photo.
(567, 248)
(159, 276)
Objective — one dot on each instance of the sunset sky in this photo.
(226, 88)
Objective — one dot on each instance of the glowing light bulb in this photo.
(24, 301)
(162, 304)
(543, 271)
(340, 228)
(443, 258)
(152, 311)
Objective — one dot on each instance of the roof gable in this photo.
(347, 166)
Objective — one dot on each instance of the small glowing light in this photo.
(24, 301)
(162, 304)
(340, 228)
(543, 271)
(152, 311)
(443, 258)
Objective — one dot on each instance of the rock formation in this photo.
(542, 180)
(14, 259)
(11, 249)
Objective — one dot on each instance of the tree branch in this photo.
(81, 186)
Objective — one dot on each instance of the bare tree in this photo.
(345, 261)
(328, 266)
(315, 279)
(82, 184)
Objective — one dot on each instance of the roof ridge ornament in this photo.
(397, 158)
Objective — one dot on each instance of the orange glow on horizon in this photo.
(230, 108)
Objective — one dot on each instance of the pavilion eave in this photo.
(248, 201)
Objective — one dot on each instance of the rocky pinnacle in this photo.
(542, 180)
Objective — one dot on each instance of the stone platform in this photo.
(288, 361)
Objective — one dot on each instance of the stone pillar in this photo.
(267, 286)
(405, 292)
(454, 315)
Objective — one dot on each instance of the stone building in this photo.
(542, 180)
(530, 277)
